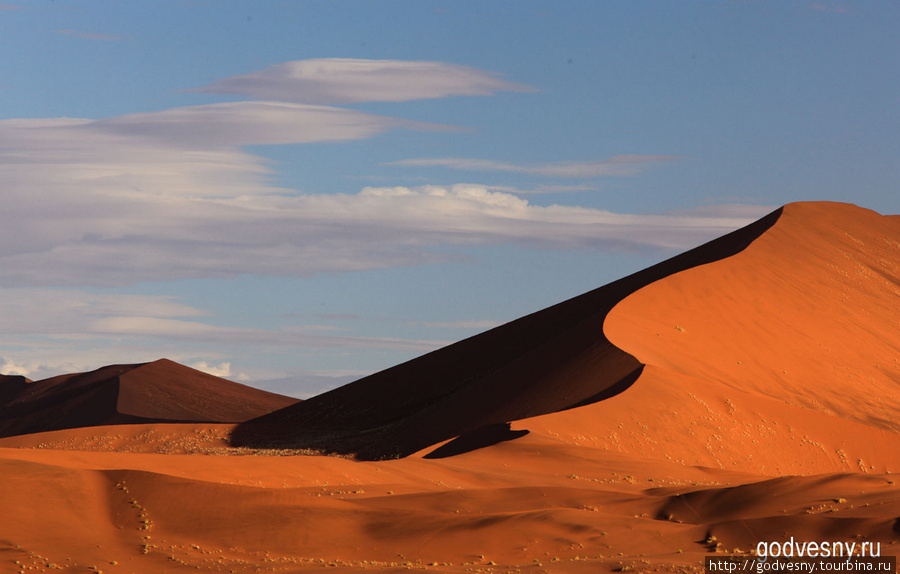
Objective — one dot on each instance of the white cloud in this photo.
(543, 189)
(171, 195)
(9, 367)
(220, 370)
(343, 81)
(615, 166)
(154, 217)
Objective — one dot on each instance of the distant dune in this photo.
(743, 392)
(161, 391)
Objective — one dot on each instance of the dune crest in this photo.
(780, 359)
(552, 360)
(809, 314)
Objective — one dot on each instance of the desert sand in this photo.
(744, 391)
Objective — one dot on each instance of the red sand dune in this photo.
(549, 361)
(759, 403)
(780, 359)
(150, 392)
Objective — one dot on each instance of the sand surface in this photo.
(757, 399)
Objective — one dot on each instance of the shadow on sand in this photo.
(552, 360)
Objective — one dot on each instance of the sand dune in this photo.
(149, 392)
(549, 361)
(745, 391)
(780, 359)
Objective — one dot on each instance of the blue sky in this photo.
(295, 194)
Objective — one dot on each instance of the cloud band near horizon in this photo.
(618, 165)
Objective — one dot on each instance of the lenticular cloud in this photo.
(345, 81)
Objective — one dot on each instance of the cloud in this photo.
(616, 165)
(93, 209)
(297, 336)
(221, 370)
(542, 189)
(68, 312)
(45, 332)
(106, 191)
(477, 324)
(10, 367)
(236, 124)
(90, 35)
(346, 81)
(75, 314)
(172, 194)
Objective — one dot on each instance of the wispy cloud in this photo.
(78, 314)
(171, 194)
(476, 324)
(90, 35)
(235, 124)
(295, 336)
(48, 331)
(616, 165)
(114, 204)
(542, 189)
(66, 312)
(344, 81)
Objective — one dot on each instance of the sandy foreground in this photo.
(765, 406)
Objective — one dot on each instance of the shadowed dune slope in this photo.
(160, 391)
(11, 386)
(782, 359)
(549, 361)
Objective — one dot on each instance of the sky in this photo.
(296, 194)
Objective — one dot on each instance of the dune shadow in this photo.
(473, 440)
(552, 360)
(616, 388)
(492, 434)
